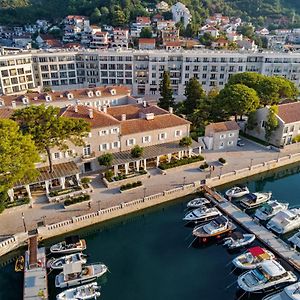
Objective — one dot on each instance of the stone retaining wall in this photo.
(12, 243)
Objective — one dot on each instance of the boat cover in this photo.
(237, 235)
(72, 268)
(251, 197)
(257, 251)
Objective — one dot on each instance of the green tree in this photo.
(105, 159)
(95, 16)
(272, 122)
(118, 17)
(194, 94)
(146, 32)
(238, 99)
(18, 155)
(137, 151)
(48, 129)
(186, 141)
(166, 92)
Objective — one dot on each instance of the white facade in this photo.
(181, 12)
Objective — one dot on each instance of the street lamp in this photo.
(221, 168)
(145, 192)
(184, 178)
(23, 219)
(99, 207)
(251, 161)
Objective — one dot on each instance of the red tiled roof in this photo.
(223, 126)
(142, 19)
(173, 44)
(289, 112)
(146, 41)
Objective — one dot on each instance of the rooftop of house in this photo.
(289, 112)
(143, 20)
(222, 126)
(173, 44)
(146, 41)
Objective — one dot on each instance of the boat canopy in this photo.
(251, 197)
(221, 220)
(73, 239)
(72, 268)
(237, 235)
(273, 268)
(256, 251)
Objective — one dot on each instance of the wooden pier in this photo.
(35, 272)
(270, 240)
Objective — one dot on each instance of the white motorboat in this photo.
(84, 292)
(237, 192)
(57, 263)
(291, 292)
(197, 202)
(253, 258)
(295, 240)
(285, 221)
(238, 239)
(269, 276)
(214, 229)
(74, 274)
(71, 244)
(202, 214)
(254, 200)
(270, 209)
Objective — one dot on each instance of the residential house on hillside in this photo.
(120, 38)
(288, 118)
(138, 25)
(181, 13)
(146, 44)
(162, 6)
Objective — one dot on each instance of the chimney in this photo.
(123, 117)
(13, 104)
(76, 108)
(171, 110)
(105, 109)
(145, 103)
(91, 115)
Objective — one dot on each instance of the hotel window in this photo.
(130, 142)
(178, 133)
(230, 143)
(104, 147)
(146, 139)
(285, 129)
(115, 145)
(56, 155)
(87, 150)
(114, 130)
(103, 132)
(231, 134)
(222, 136)
(162, 136)
(292, 129)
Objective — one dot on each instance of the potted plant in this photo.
(222, 161)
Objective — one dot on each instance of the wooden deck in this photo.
(270, 240)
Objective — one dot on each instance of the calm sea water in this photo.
(149, 257)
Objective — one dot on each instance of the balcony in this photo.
(90, 156)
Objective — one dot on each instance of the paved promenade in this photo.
(239, 158)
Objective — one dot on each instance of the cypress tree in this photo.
(166, 92)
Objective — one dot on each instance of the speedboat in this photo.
(58, 263)
(197, 202)
(84, 292)
(254, 200)
(214, 229)
(71, 244)
(202, 214)
(285, 221)
(269, 276)
(74, 274)
(253, 258)
(270, 209)
(295, 240)
(236, 192)
(291, 292)
(238, 239)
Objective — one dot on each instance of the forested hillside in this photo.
(120, 12)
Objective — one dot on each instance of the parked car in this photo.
(240, 143)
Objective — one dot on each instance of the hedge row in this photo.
(181, 162)
(75, 200)
(130, 185)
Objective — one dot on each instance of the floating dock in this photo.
(35, 272)
(270, 240)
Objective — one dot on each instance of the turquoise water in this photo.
(149, 256)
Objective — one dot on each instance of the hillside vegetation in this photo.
(120, 12)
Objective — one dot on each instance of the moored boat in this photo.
(295, 240)
(270, 209)
(74, 274)
(255, 200)
(197, 202)
(238, 239)
(69, 245)
(285, 221)
(84, 292)
(253, 258)
(269, 276)
(291, 292)
(237, 192)
(216, 228)
(202, 214)
(58, 263)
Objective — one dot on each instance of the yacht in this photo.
(84, 292)
(253, 258)
(295, 240)
(254, 200)
(74, 274)
(71, 244)
(202, 214)
(237, 192)
(291, 292)
(197, 202)
(285, 221)
(269, 276)
(270, 209)
(214, 229)
(238, 239)
(58, 263)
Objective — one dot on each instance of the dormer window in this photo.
(25, 100)
(113, 92)
(70, 96)
(98, 93)
(48, 98)
(90, 94)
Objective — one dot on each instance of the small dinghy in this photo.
(197, 202)
(71, 244)
(238, 239)
(237, 192)
(57, 264)
(255, 200)
(84, 292)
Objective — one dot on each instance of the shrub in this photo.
(137, 151)
(130, 185)
(222, 160)
(296, 139)
(85, 180)
(181, 162)
(105, 159)
(204, 166)
(185, 141)
(108, 175)
(75, 200)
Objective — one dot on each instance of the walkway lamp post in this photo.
(23, 219)
(99, 207)
(221, 168)
(184, 178)
(145, 191)
(251, 161)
